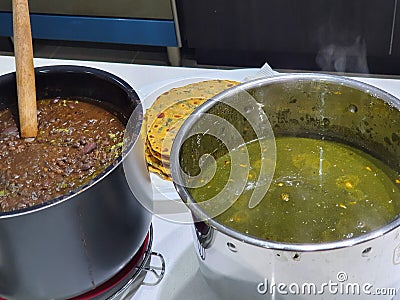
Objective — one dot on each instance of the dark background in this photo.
(329, 35)
(345, 36)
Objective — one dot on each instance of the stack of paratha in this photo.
(164, 118)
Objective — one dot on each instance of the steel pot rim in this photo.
(104, 75)
(284, 246)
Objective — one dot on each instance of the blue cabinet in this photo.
(140, 22)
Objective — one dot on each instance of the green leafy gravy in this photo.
(321, 191)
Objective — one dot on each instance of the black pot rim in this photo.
(103, 75)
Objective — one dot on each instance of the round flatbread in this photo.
(166, 115)
(202, 89)
(156, 163)
(158, 172)
(158, 156)
(163, 130)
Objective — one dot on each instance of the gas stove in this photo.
(125, 284)
(127, 281)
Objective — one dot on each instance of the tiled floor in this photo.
(100, 52)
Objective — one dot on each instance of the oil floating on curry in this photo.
(322, 191)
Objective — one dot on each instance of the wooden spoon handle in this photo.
(24, 68)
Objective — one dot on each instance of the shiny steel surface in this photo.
(304, 105)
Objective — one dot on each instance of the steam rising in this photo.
(344, 57)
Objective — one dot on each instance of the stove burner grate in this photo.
(126, 282)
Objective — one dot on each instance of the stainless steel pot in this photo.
(238, 266)
(72, 244)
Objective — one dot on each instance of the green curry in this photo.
(322, 191)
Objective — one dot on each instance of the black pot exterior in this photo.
(74, 243)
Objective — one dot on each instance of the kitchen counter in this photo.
(173, 240)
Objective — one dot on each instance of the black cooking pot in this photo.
(74, 243)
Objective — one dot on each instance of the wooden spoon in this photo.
(24, 69)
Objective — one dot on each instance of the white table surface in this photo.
(174, 241)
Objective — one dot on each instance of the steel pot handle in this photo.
(144, 265)
(157, 271)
